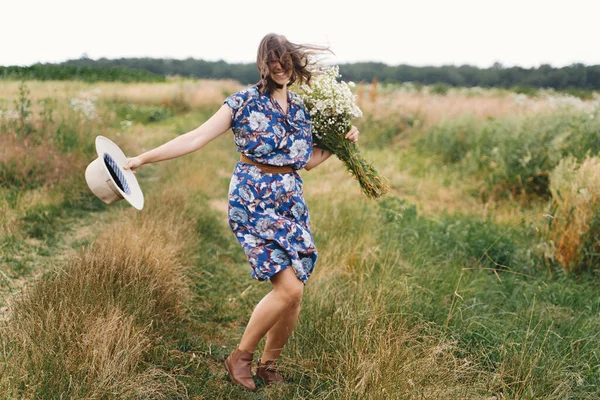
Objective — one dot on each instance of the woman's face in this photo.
(278, 73)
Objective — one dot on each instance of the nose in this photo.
(276, 66)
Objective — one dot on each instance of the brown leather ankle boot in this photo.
(268, 372)
(239, 367)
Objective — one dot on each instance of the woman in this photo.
(267, 212)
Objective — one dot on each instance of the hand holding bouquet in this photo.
(332, 107)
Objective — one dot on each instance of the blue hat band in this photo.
(116, 174)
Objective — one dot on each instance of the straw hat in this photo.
(108, 180)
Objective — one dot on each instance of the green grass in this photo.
(402, 304)
(42, 228)
(513, 156)
(525, 332)
(533, 328)
(144, 114)
(466, 305)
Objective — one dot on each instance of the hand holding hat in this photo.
(133, 163)
(111, 176)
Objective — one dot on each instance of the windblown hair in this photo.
(300, 59)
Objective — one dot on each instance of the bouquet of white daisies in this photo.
(332, 107)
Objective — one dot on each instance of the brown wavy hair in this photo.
(299, 58)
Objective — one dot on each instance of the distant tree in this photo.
(576, 76)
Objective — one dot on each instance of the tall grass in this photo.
(464, 239)
(513, 157)
(357, 336)
(41, 142)
(42, 146)
(407, 300)
(481, 104)
(83, 330)
(25, 165)
(356, 342)
(195, 92)
(485, 284)
(574, 227)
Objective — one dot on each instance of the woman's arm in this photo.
(189, 142)
(319, 155)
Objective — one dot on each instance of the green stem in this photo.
(369, 179)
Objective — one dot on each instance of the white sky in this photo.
(418, 32)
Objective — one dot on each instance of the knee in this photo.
(293, 295)
(288, 287)
(291, 292)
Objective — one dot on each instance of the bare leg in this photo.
(278, 335)
(287, 293)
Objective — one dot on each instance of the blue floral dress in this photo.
(267, 212)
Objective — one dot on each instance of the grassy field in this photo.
(476, 277)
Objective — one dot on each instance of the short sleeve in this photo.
(236, 102)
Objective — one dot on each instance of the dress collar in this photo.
(278, 106)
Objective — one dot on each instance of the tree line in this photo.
(545, 76)
(575, 76)
(87, 73)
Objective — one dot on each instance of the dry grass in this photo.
(371, 351)
(576, 199)
(36, 169)
(30, 162)
(43, 89)
(83, 331)
(31, 171)
(353, 338)
(193, 93)
(431, 109)
(11, 213)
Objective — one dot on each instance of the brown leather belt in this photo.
(270, 169)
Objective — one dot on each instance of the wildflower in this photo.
(332, 106)
(85, 106)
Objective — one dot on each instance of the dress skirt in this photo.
(269, 217)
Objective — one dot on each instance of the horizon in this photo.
(85, 57)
